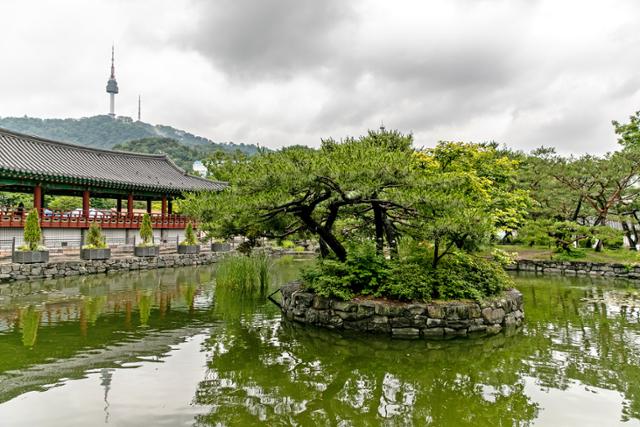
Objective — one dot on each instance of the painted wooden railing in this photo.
(105, 218)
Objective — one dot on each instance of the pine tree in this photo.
(146, 230)
(189, 236)
(32, 232)
(95, 239)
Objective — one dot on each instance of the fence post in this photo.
(134, 240)
(177, 242)
(13, 247)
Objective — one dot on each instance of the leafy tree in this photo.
(65, 203)
(146, 230)
(465, 195)
(15, 199)
(182, 154)
(32, 232)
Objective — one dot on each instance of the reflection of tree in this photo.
(189, 294)
(261, 370)
(144, 307)
(586, 334)
(29, 323)
(94, 306)
(233, 304)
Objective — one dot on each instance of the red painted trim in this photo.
(106, 220)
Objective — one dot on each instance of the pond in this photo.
(166, 347)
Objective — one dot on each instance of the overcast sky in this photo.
(279, 72)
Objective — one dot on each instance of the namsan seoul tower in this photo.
(112, 86)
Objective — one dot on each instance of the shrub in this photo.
(32, 232)
(95, 239)
(362, 273)
(146, 231)
(504, 258)
(411, 277)
(287, 244)
(561, 255)
(189, 236)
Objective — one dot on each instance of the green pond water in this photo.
(166, 348)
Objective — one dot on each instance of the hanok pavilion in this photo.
(40, 166)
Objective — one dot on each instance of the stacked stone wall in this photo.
(404, 320)
(573, 268)
(13, 272)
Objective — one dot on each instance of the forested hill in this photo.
(105, 132)
(183, 155)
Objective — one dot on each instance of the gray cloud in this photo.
(281, 72)
(268, 39)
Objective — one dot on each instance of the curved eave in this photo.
(214, 186)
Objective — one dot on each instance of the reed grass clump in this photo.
(244, 272)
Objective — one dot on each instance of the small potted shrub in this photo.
(220, 246)
(190, 244)
(147, 248)
(32, 251)
(95, 245)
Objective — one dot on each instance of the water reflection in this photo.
(29, 323)
(260, 369)
(581, 339)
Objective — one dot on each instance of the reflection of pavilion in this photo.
(14, 383)
(72, 304)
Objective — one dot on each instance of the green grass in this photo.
(244, 272)
(622, 256)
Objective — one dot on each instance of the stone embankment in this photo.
(404, 320)
(13, 272)
(577, 268)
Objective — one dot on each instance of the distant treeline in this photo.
(105, 132)
(183, 155)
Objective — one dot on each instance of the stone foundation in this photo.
(405, 320)
(573, 268)
(12, 272)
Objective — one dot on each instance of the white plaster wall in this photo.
(60, 237)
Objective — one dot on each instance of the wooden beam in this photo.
(119, 205)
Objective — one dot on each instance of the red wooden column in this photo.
(148, 206)
(164, 206)
(170, 206)
(37, 199)
(86, 203)
(130, 205)
(119, 205)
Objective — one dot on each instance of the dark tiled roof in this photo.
(25, 156)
